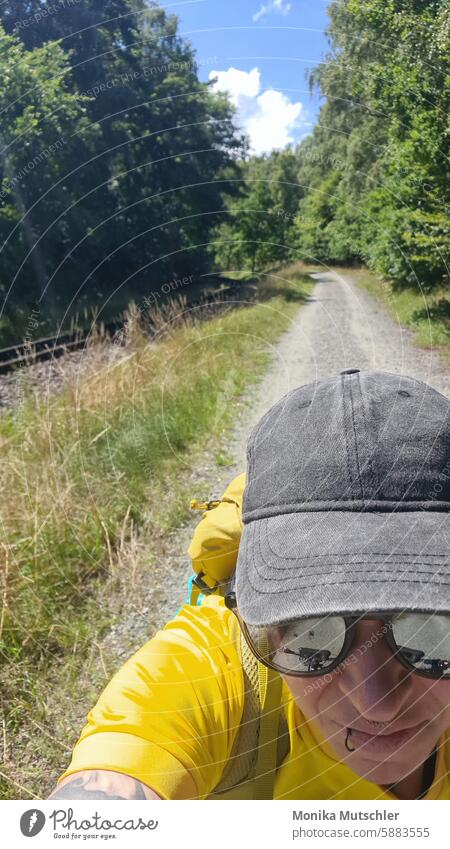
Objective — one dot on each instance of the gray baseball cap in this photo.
(347, 501)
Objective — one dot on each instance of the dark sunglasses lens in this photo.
(306, 645)
(424, 641)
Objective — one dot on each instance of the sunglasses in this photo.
(315, 646)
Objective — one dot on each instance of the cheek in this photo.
(439, 693)
(309, 691)
(431, 699)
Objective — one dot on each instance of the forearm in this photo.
(102, 784)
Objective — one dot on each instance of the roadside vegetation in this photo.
(93, 471)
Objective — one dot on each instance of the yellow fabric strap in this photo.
(270, 685)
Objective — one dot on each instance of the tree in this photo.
(138, 208)
(258, 227)
(388, 96)
(45, 131)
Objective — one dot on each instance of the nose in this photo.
(372, 678)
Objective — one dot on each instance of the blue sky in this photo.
(259, 50)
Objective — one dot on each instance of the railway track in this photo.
(50, 347)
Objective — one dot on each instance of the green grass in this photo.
(94, 470)
(223, 459)
(427, 314)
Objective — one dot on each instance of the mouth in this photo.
(382, 742)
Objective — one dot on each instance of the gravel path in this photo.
(341, 327)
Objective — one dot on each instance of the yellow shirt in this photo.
(169, 717)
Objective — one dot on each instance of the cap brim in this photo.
(317, 563)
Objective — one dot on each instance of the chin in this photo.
(387, 772)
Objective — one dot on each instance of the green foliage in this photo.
(388, 92)
(372, 178)
(46, 128)
(145, 159)
(258, 227)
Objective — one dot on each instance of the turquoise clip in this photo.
(188, 598)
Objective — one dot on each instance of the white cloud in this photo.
(273, 6)
(268, 118)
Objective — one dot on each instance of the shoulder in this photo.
(198, 648)
(169, 715)
(207, 625)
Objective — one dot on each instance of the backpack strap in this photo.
(239, 769)
(262, 740)
(270, 698)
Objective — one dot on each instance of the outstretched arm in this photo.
(102, 784)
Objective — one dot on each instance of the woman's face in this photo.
(395, 716)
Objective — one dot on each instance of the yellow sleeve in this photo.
(169, 716)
